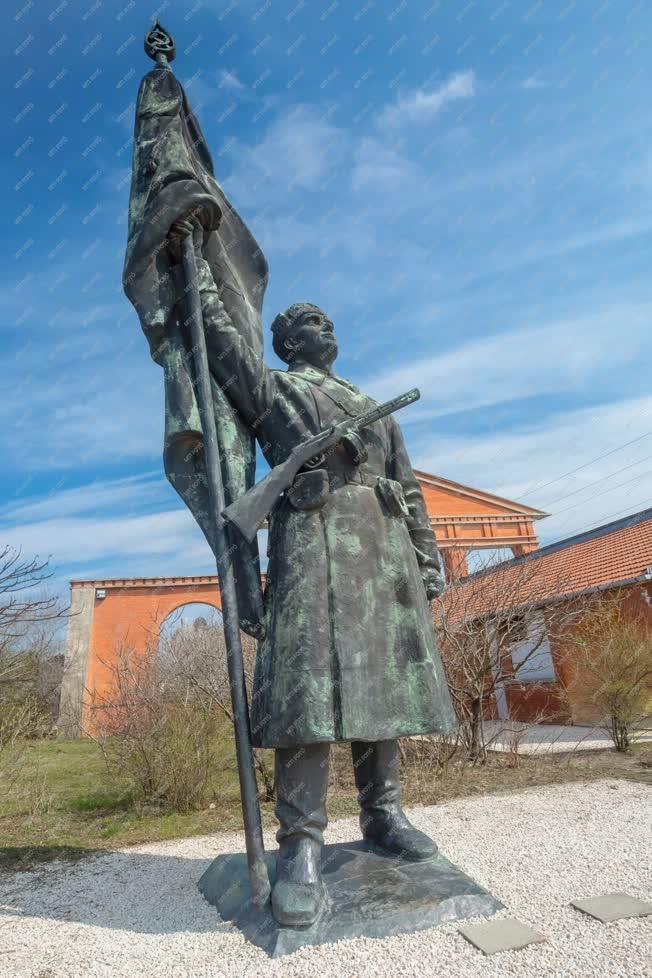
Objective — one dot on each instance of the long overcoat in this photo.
(350, 651)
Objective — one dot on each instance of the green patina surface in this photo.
(172, 174)
(350, 651)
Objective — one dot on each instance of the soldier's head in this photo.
(303, 333)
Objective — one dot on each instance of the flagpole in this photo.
(159, 45)
(260, 886)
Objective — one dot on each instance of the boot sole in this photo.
(410, 856)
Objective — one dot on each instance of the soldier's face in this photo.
(314, 339)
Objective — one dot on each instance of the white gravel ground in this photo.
(137, 912)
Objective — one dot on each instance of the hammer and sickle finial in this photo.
(159, 45)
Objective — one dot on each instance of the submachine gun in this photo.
(250, 510)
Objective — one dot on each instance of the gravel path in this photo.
(137, 912)
(550, 738)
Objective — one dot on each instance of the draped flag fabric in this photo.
(172, 173)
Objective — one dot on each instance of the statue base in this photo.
(368, 894)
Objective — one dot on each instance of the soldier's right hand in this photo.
(185, 225)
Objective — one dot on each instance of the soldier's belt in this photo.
(311, 489)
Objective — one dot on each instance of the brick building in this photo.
(108, 613)
(616, 556)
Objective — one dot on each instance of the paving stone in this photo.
(613, 906)
(506, 934)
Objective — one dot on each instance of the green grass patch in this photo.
(101, 801)
(89, 811)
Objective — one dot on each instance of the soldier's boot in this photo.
(301, 786)
(382, 820)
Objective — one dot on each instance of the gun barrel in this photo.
(388, 407)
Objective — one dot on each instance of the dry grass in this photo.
(75, 808)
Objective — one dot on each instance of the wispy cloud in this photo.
(542, 250)
(377, 166)
(420, 105)
(229, 79)
(299, 150)
(89, 401)
(561, 356)
(146, 537)
(138, 492)
(136, 526)
(524, 459)
(532, 82)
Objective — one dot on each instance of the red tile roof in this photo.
(609, 555)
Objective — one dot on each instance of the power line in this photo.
(611, 489)
(601, 520)
(589, 485)
(585, 465)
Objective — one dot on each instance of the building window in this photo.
(531, 656)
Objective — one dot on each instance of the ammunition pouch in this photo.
(309, 490)
(391, 497)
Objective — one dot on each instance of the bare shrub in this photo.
(433, 752)
(511, 735)
(20, 723)
(161, 740)
(29, 646)
(24, 606)
(614, 658)
(34, 794)
(481, 620)
(160, 723)
(194, 656)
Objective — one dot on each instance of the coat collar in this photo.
(317, 376)
(313, 374)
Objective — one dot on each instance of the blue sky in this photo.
(464, 187)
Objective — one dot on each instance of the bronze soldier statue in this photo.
(347, 649)
(349, 652)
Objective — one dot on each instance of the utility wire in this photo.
(641, 413)
(589, 485)
(601, 520)
(585, 465)
(610, 489)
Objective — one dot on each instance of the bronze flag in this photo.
(172, 173)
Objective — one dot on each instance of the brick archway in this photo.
(106, 613)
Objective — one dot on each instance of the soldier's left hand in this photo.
(434, 583)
